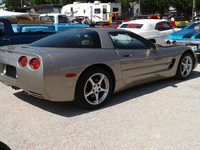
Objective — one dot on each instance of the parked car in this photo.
(88, 65)
(181, 21)
(8, 37)
(50, 22)
(154, 30)
(189, 36)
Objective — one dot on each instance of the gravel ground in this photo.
(162, 115)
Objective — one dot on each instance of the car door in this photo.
(138, 59)
(165, 29)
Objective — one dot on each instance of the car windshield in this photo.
(132, 25)
(195, 25)
(72, 39)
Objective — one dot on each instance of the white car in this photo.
(154, 30)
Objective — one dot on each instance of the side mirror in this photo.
(153, 46)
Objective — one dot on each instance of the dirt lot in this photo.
(160, 115)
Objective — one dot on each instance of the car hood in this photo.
(185, 34)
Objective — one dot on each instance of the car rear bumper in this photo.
(194, 45)
(34, 85)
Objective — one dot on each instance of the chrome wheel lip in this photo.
(97, 88)
(186, 66)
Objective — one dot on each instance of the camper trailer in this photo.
(96, 11)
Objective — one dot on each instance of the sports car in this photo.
(155, 30)
(189, 36)
(88, 65)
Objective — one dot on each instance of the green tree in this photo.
(155, 6)
(184, 6)
(125, 3)
(12, 4)
(39, 2)
(65, 2)
(52, 1)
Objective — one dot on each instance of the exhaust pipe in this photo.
(16, 88)
(25, 92)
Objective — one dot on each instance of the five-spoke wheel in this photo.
(185, 66)
(94, 88)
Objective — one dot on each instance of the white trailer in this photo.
(96, 11)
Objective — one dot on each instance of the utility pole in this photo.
(21, 4)
(194, 11)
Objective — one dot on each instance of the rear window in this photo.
(71, 39)
(63, 19)
(194, 26)
(138, 26)
(47, 18)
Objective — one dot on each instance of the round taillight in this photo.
(23, 61)
(174, 42)
(35, 63)
(168, 42)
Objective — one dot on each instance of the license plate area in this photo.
(2, 68)
(193, 47)
(10, 71)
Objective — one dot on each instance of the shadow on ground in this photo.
(69, 109)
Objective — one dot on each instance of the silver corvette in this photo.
(88, 65)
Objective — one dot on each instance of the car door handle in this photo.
(127, 55)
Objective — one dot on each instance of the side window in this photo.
(47, 18)
(125, 40)
(2, 29)
(163, 26)
(63, 19)
(115, 9)
(71, 39)
(197, 26)
(97, 11)
(85, 40)
(193, 26)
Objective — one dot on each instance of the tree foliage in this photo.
(52, 1)
(38, 2)
(12, 4)
(182, 6)
(156, 6)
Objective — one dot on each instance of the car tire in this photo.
(185, 67)
(94, 88)
(4, 146)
